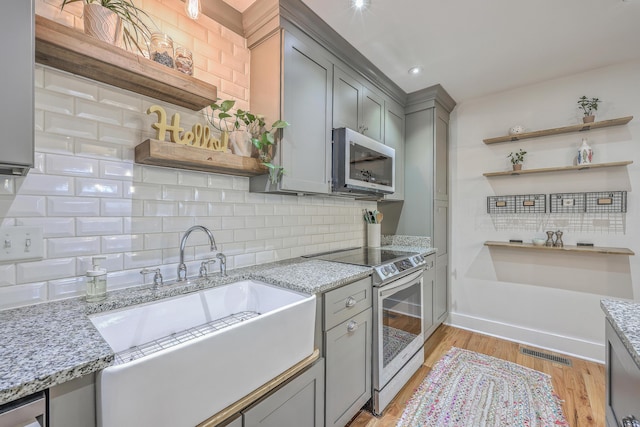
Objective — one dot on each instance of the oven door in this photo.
(398, 333)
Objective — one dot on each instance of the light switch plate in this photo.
(21, 244)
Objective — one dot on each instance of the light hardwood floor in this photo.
(581, 386)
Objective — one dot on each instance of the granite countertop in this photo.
(625, 319)
(47, 344)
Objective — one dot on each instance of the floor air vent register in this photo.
(546, 356)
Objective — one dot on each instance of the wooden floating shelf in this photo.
(172, 155)
(556, 131)
(569, 248)
(70, 50)
(559, 169)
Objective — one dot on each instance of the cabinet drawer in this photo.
(623, 381)
(347, 301)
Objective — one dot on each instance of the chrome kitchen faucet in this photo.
(182, 268)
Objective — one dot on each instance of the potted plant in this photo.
(588, 106)
(516, 159)
(114, 20)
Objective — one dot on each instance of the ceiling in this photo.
(474, 48)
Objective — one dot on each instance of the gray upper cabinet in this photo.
(441, 146)
(17, 118)
(357, 106)
(394, 138)
(303, 80)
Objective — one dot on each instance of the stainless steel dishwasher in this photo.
(29, 411)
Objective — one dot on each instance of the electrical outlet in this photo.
(21, 243)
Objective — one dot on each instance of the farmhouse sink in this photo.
(183, 359)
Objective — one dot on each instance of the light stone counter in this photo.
(625, 319)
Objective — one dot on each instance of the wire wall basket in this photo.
(606, 202)
(531, 204)
(501, 204)
(567, 203)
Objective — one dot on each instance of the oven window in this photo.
(401, 320)
(370, 166)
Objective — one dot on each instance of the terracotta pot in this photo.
(588, 119)
(101, 23)
(517, 167)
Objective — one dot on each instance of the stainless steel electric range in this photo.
(398, 337)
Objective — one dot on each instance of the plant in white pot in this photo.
(516, 159)
(114, 20)
(588, 106)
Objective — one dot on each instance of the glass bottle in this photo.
(161, 49)
(184, 60)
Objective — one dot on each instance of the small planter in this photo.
(102, 24)
(517, 167)
(588, 119)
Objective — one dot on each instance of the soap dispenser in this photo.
(97, 281)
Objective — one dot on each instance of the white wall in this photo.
(547, 299)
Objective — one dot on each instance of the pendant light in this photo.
(192, 8)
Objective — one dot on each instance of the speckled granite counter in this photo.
(625, 319)
(51, 343)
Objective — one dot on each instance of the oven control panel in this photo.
(387, 271)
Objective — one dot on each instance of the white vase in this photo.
(101, 23)
(585, 153)
(240, 143)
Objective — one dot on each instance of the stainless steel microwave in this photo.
(361, 165)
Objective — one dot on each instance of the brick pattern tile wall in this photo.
(92, 199)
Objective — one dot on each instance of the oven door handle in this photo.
(400, 284)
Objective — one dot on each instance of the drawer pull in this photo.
(352, 326)
(630, 421)
(351, 301)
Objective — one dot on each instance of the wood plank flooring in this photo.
(581, 386)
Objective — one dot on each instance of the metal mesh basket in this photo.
(567, 202)
(606, 202)
(531, 203)
(501, 204)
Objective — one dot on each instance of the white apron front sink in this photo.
(181, 360)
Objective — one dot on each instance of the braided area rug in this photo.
(468, 389)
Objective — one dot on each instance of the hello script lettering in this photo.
(199, 136)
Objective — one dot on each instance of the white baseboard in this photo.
(574, 347)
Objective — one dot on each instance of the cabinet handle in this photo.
(351, 301)
(352, 326)
(630, 421)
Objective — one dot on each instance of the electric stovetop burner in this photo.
(371, 257)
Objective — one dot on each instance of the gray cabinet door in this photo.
(428, 282)
(441, 290)
(441, 157)
(347, 98)
(17, 118)
(348, 373)
(306, 144)
(298, 403)
(394, 138)
(372, 114)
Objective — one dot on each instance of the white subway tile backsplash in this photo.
(157, 175)
(141, 191)
(161, 241)
(175, 223)
(20, 295)
(67, 288)
(98, 226)
(221, 209)
(192, 209)
(55, 102)
(273, 221)
(121, 207)
(98, 188)
(120, 99)
(119, 135)
(48, 269)
(116, 170)
(244, 260)
(98, 112)
(122, 243)
(7, 186)
(72, 206)
(38, 77)
(177, 193)
(232, 196)
(142, 259)
(139, 225)
(152, 208)
(72, 246)
(70, 126)
(7, 275)
(35, 184)
(61, 82)
(95, 149)
(26, 206)
(207, 195)
(265, 256)
(220, 181)
(51, 143)
(51, 227)
(56, 164)
(232, 223)
(243, 209)
(114, 262)
(192, 179)
(38, 121)
(245, 235)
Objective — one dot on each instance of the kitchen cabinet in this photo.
(17, 118)
(292, 80)
(73, 403)
(428, 300)
(357, 106)
(394, 138)
(299, 401)
(348, 338)
(622, 382)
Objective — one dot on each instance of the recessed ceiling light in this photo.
(414, 71)
(360, 4)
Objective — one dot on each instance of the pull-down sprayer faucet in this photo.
(182, 268)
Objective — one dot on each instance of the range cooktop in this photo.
(387, 263)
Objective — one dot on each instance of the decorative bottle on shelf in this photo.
(585, 153)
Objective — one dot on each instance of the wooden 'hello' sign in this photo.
(199, 136)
